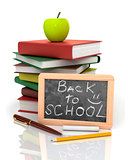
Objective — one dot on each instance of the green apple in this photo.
(56, 29)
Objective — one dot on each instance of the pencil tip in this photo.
(53, 140)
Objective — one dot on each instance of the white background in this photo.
(104, 20)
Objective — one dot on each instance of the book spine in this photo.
(29, 92)
(29, 77)
(31, 85)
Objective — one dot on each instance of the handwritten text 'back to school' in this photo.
(77, 100)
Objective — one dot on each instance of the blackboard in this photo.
(77, 99)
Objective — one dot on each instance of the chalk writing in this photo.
(76, 100)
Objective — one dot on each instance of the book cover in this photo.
(23, 68)
(29, 92)
(46, 63)
(25, 98)
(29, 112)
(29, 77)
(69, 49)
(89, 71)
(30, 115)
(28, 104)
(34, 77)
(28, 84)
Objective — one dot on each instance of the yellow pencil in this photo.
(82, 137)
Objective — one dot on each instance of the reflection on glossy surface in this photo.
(37, 145)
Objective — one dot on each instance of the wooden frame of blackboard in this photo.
(110, 96)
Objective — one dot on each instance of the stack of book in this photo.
(42, 56)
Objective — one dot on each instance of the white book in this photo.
(32, 116)
(24, 68)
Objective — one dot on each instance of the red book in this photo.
(28, 104)
(69, 49)
(28, 92)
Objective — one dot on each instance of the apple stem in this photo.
(58, 15)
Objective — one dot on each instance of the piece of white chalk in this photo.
(81, 128)
(76, 133)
